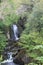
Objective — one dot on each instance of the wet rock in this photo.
(18, 61)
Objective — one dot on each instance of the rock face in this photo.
(23, 8)
(18, 61)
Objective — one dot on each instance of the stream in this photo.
(9, 60)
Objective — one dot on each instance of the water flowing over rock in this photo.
(15, 30)
(12, 48)
(9, 60)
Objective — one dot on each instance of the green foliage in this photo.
(2, 43)
(10, 19)
(32, 36)
(2, 37)
(40, 59)
(0, 1)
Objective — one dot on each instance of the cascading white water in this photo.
(15, 30)
(10, 55)
(9, 60)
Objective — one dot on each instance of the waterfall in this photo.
(15, 30)
(10, 60)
